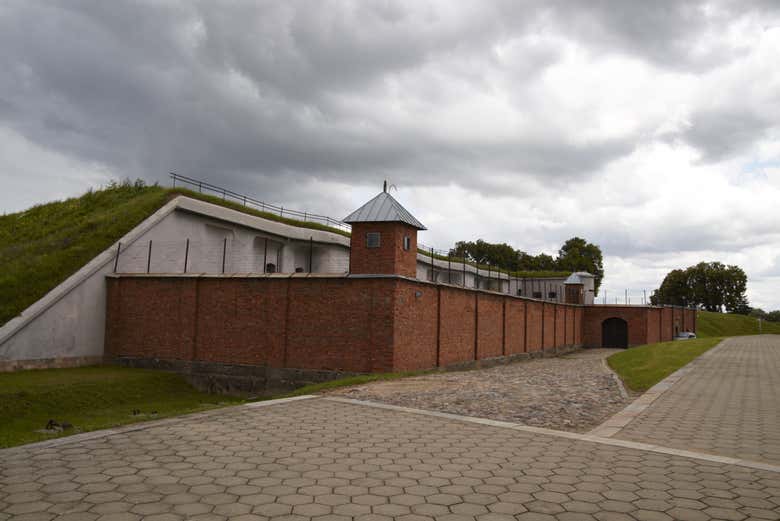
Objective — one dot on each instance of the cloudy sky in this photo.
(649, 128)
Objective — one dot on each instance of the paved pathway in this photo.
(728, 404)
(574, 392)
(333, 461)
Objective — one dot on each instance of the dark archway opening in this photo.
(614, 333)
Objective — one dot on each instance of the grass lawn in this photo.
(644, 366)
(92, 398)
(710, 324)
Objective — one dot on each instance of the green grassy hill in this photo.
(42, 246)
(710, 324)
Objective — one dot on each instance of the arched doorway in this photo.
(614, 333)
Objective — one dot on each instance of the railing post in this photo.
(186, 254)
(311, 251)
(433, 268)
(265, 255)
(149, 257)
(224, 251)
(118, 251)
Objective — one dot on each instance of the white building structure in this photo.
(67, 326)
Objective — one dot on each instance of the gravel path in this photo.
(575, 392)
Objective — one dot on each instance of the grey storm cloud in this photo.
(264, 88)
(526, 121)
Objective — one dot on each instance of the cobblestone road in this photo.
(332, 461)
(575, 392)
(729, 404)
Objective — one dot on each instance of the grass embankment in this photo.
(42, 246)
(644, 366)
(92, 398)
(710, 324)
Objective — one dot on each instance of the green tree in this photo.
(577, 254)
(709, 285)
(773, 316)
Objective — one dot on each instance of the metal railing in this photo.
(456, 268)
(257, 204)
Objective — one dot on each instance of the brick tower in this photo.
(384, 238)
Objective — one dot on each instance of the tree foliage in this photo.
(712, 286)
(576, 254)
(769, 316)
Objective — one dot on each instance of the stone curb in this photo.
(617, 422)
(616, 378)
(570, 435)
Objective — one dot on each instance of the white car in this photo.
(685, 335)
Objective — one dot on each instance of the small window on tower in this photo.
(407, 242)
(373, 240)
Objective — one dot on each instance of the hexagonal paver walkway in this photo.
(728, 404)
(332, 461)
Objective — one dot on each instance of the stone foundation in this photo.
(49, 363)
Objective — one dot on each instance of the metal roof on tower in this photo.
(383, 208)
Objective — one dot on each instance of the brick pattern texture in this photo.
(372, 324)
(390, 257)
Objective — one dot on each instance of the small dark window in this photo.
(270, 268)
(407, 242)
(552, 294)
(373, 240)
(537, 294)
(299, 270)
(519, 292)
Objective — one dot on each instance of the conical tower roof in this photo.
(383, 208)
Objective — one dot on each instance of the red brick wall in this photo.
(577, 325)
(390, 257)
(534, 331)
(336, 324)
(570, 317)
(240, 321)
(667, 325)
(549, 326)
(458, 326)
(354, 333)
(560, 326)
(327, 323)
(416, 326)
(654, 326)
(690, 320)
(515, 326)
(490, 326)
(151, 318)
(635, 316)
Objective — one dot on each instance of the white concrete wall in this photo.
(69, 322)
